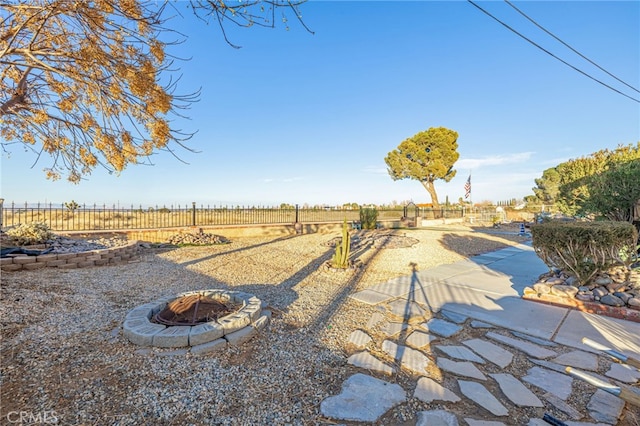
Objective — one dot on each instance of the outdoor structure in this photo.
(204, 320)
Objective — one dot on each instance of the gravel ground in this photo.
(63, 352)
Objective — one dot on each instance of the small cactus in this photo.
(343, 249)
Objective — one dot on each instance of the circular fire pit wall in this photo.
(202, 320)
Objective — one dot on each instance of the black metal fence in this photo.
(65, 217)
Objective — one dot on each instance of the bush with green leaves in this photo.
(369, 217)
(585, 249)
(31, 233)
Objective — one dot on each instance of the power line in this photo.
(565, 44)
(554, 56)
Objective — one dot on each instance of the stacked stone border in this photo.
(585, 306)
(84, 259)
(233, 329)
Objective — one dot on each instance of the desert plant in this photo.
(341, 256)
(31, 233)
(72, 205)
(369, 217)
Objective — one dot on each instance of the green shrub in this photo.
(369, 217)
(585, 249)
(31, 233)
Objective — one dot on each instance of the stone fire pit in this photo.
(204, 320)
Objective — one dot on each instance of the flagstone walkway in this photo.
(468, 340)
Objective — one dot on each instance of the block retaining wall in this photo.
(85, 259)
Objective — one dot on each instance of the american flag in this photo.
(467, 188)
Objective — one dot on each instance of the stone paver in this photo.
(402, 309)
(428, 390)
(487, 301)
(623, 373)
(436, 418)
(493, 353)
(463, 368)
(409, 358)
(562, 406)
(474, 422)
(531, 349)
(392, 328)
(419, 339)
(441, 327)
(481, 396)
(454, 316)
(578, 359)
(605, 407)
(480, 324)
(359, 339)
(517, 393)
(363, 399)
(537, 340)
(370, 297)
(548, 364)
(369, 362)
(551, 381)
(376, 319)
(460, 352)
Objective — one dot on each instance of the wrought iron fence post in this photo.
(1, 211)
(193, 213)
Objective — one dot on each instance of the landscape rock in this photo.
(526, 347)
(363, 399)
(556, 383)
(460, 352)
(605, 407)
(428, 390)
(436, 418)
(369, 362)
(599, 292)
(586, 360)
(564, 290)
(409, 358)
(611, 300)
(441, 327)
(481, 396)
(493, 353)
(359, 339)
(419, 339)
(517, 393)
(542, 288)
(464, 368)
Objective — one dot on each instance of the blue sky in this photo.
(294, 117)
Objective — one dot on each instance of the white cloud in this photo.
(494, 160)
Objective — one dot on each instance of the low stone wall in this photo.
(85, 259)
(620, 312)
(162, 235)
